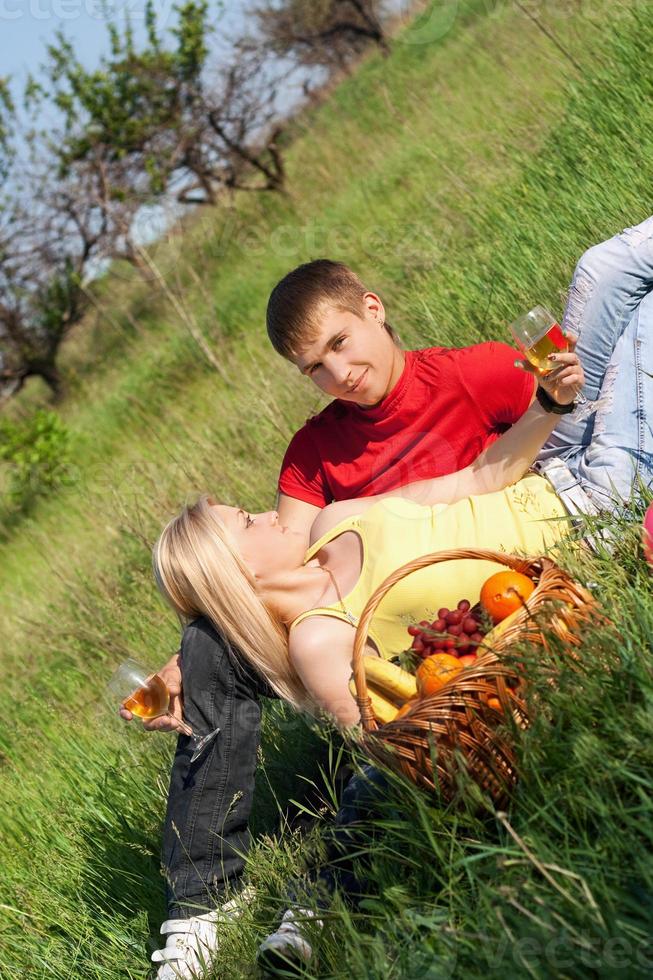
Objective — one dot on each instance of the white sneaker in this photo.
(288, 947)
(192, 943)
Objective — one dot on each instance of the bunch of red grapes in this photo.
(456, 631)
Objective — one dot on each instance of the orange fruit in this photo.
(434, 672)
(504, 593)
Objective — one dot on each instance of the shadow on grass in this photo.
(121, 882)
(289, 781)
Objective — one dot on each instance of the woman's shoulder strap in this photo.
(349, 523)
(326, 611)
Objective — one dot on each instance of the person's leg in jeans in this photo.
(206, 826)
(609, 282)
(209, 801)
(361, 804)
(620, 454)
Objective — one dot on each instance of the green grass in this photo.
(462, 179)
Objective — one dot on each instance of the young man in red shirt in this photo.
(397, 416)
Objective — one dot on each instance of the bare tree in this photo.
(146, 121)
(242, 131)
(42, 295)
(96, 201)
(32, 327)
(7, 124)
(140, 126)
(327, 34)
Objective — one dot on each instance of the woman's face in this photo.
(265, 545)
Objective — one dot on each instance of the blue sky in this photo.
(26, 26)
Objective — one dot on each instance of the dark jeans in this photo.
(205, 835)
(362, 803)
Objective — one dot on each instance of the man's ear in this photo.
(374, 307)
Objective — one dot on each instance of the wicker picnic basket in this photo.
(454, 734)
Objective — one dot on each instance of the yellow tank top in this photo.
(526, 518)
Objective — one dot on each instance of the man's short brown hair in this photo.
(301, 298)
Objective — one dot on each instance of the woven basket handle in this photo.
(528, 566)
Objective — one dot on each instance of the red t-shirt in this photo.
(447, 406)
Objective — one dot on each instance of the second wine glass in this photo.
(147, 696)
(539, 335)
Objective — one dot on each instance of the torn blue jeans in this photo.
(610, 308)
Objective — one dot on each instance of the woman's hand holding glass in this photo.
(173, 719)
(155, 698)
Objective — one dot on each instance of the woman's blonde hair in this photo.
(199, 571)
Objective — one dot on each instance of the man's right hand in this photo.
(171, 722)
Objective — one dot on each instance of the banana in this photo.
(490, 638)
(393, 682)
(556, 621)
(384, 710)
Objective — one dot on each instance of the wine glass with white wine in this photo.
(147, 696)
(538, 335)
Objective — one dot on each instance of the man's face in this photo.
(353, 358)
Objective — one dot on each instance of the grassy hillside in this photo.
(462, 178)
